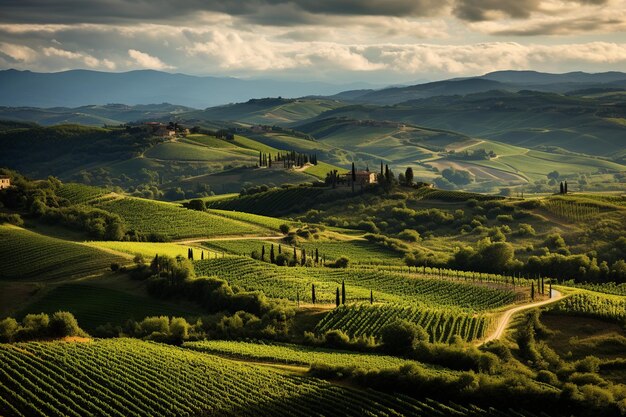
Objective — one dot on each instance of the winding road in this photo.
(506, 317)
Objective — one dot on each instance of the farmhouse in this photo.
(362, 177)
(5, 182)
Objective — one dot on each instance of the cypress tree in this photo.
(202, 255)
(337, 297)
(408, 175)
(343, 292)
(298, 298)
(263, 252)
(260, 158)
(371, 297)
(295, 255)
(302, 257)
(280, 249)
(313, 293)
(561, 188)
(272, 258)
(565, 187)
(387, 172)
(550, 290)
(532, 290)
(353, 176)
(191, 254)
(317, 256)
(381, 168)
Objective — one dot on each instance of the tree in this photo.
(313, 293)
(387, 178)
(302, 257)
(553, 175)
(532, 290)
(343, 292)
(565, 188)
(317, 256)
(381, 168)
(408, 176)
(353, 176)
(284, 228)
(371, 297)
(272, 257)
(401, 336)
(337, 297)
(562, 189)
(263, 253)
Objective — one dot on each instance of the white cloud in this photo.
(20, 53)
(87, 59)
(145, 60)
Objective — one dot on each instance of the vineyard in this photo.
(28, 255)
(301, 355)
(263, 221)
(288, 283)
(606, 288)
(611, 307)
(149, 249)
(358, 251)
(441, 325)
(275, 203)
(572, 210)
(94, 306)
(80, 193)
(170, 220)
(124, 378)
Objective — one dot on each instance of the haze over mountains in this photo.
(82, 87)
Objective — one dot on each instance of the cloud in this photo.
(489, 10)
(87, 59)
(18, 53)
(145, 60)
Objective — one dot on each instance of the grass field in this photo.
(149, 249)
(263, 221)
(149, 216)
(94, 306)
(188, 152)
(26, 255)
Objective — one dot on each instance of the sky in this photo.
(376, 41)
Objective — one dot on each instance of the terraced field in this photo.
(189, 152)
(263, 221)
(94, 306)
(80, 193)
(148, 216)
(147, 379)
(26, 255)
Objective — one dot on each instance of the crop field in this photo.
(606, 288)
(588, 303)
(289, 283)
(441, 325)
(274, 202)
(263, 221)
(94, 306)
(171, 220)
(300, 354)
(188, 152)
(210, 141)
(572, 210)
(148, 379)
(80, 193)
(149, 249)
(28, 255)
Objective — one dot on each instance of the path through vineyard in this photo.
(504, 320)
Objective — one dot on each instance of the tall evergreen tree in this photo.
(263, 253)
(343, 292)
(202, 256)
(565, 187)
(302, 257)
(313, 293)
(371, 297)
(317, 256)
(353, 176)
(550, 294)
(562, 189)
(260, 158)
(532, 290)
(295, 256)
(280, 249)
(387, 178)
(408, 176)
(381, 168)
(337, 297)
(272, 257)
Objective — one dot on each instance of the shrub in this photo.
(342, 262)
(401, 336)
(8, 328)
(63, 323)
(284, 228)
(409, 235)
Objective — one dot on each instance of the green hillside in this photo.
(26, 255)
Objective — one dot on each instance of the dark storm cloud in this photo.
(298, 11)
(479, 10)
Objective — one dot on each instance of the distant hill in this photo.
(93, 115)
(82, 87)
(512, 81)
(267, 110)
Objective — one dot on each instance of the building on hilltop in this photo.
(362, 177)
(5, 182)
